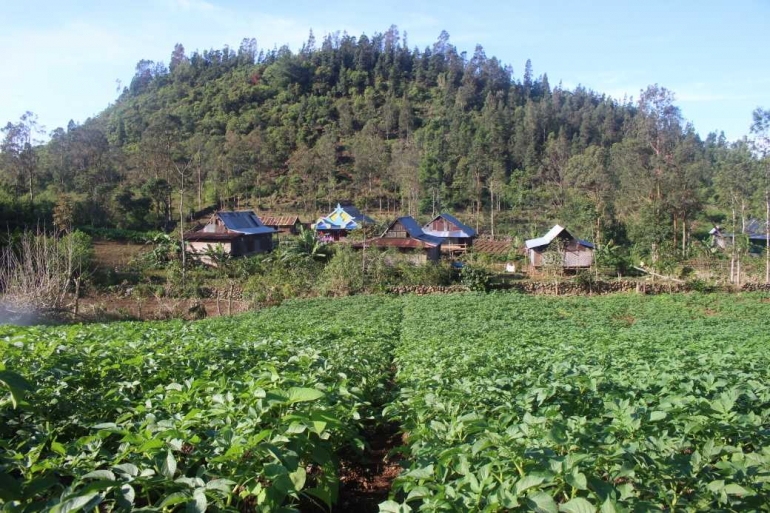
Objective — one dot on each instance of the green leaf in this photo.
(577, 505)
(198, 504)
(168, 468)
(735, 489)
(527, 482)
(16, 385)
(421, 473)
(542, 502)
(174, 499)
(77, 503)
(577, 479)
(301, 395)
(657, 415)
(298, 478)
(128, 469)
(100, 474)
(127, 495)
(58, 448)
(10, 489)
(390, 507)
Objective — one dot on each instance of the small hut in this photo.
(406, 236)
(754, 230)
(284, 224)
(239, 233)
(575, 253)
(341, 221)
(459, 236)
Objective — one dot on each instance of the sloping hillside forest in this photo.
(395, 129)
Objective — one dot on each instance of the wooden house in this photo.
(458, 236)
(575, 253)
(283, 224)
(341, 221)
(406, 236)
(239, 233)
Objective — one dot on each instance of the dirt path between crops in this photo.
(366, 481)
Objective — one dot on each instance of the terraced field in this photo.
(507, 402)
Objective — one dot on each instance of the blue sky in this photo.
(62, 58)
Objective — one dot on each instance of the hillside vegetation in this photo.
(395, 128)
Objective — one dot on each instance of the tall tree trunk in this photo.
(492, 212)
(181, 229)
(684, 236)
(732, 252)
(767, 235)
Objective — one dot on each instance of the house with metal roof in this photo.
(239, 234)
(341, 221)
(754, 230)
(569, 251)
(406, 235)
(458, 236)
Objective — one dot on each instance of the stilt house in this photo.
(458, 236)
(406, 235)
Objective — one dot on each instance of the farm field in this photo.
(506, 401)
(623, 403)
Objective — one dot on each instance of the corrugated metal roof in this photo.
(492, 247)
(554, 232)
(280, 220)
(343, 218)
(414, 230)
(464, 231)
(357, 215)
(245, 222)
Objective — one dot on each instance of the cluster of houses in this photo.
(243, 233)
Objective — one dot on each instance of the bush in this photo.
(343, 275)
(38, 271)
(278, 280)
(431, 274)
(476, 278)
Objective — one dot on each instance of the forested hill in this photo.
(394, 128)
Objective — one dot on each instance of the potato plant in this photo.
(243, 413)
(621, 403)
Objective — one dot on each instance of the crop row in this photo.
(244, 413)
(617, 403)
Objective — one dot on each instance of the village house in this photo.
(341, 221)
(406, 236)
(575, 253)
(283, 224)
(239, 233)
(754, 230)
(458, 236)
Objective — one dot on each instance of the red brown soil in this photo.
(366, 481)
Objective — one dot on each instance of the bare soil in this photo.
(105, 307)
(366, 481)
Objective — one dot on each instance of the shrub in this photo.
(343, 275)
(476, 278)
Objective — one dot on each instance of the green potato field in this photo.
(506, 402)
